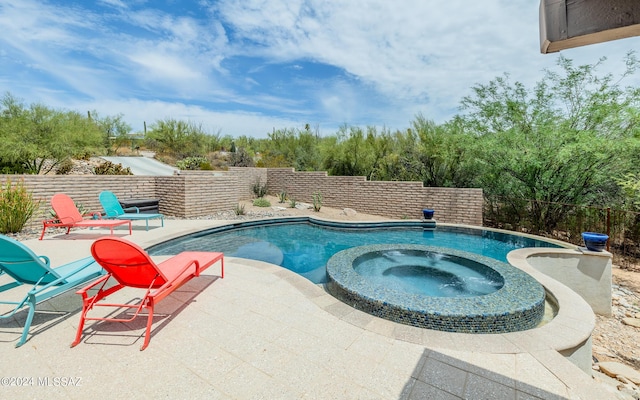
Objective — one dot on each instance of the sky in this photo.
(249, 67)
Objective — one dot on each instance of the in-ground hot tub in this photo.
(436, 288)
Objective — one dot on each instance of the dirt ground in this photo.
(614, 340)
(629, 278)
(305, 209)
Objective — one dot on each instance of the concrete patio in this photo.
(264, 332)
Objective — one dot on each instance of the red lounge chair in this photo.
(69, 217)
(132, 267)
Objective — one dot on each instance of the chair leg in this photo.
(27, 324)
(80, 325)
(147, 335)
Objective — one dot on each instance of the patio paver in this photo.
(263, 333)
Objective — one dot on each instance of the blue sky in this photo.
(247, 67)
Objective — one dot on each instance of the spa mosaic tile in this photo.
(517, 305)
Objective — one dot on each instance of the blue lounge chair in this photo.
(25, 268)
(113, 209)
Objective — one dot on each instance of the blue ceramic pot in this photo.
(427, 213)
(595, 241)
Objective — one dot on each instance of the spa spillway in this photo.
(436, 288)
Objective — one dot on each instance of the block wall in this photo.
(83, 189)
(393, 199)
(200, 193)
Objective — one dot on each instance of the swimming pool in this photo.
(304, 245)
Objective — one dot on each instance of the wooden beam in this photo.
(565, 24)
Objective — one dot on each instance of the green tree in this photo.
(351, 153)
(115, 131)
(31, 136)
(630, 184)
(179, 139)
(561, 142)
(398, 157)
(291, 148)
(442, 153)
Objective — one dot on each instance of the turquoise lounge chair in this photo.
(113, 209)
(18, 262)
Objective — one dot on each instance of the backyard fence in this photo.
(193, 194)
(566, 222)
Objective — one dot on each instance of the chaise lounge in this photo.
(131, 267)
(26, 268)
(113, 209)
(69, 217)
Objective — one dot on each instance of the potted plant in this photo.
(595, 241)
(427, 213)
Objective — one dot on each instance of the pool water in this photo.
(304, 246)
(515, 303)
(428, 273)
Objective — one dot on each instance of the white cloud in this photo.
(410, 51)
(228, 123)
(250, 65)
(158, 66)
(114, 3)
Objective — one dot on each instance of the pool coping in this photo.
(540, 373)
(571, 327)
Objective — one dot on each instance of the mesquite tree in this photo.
(564, 141)
(29, 136)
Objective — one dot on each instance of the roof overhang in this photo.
(565, 24)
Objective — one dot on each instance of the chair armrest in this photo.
(46, 260)
(132, 208)
(62, 278)
(52, 222)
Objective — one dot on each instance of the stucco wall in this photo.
(587, 273)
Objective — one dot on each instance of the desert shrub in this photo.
(317, 201)
(86, 156)
(8, 168)
(65, 167)
(259, 189)
(293, 203)
(16, 206)
(282, 196)
(241, 158)
(239, 209)
(109, 168)
(261, 202)
(193, 163)
(218, 161)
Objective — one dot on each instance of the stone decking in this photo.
(265, 332)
